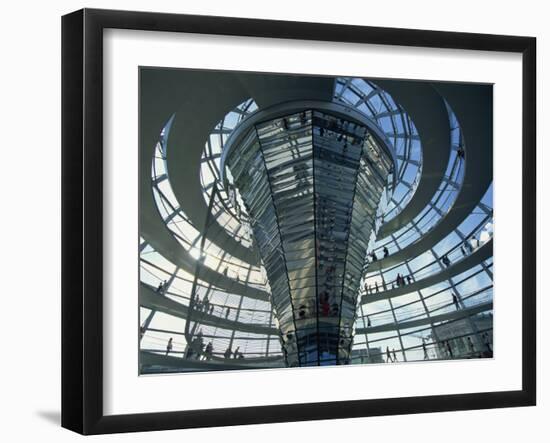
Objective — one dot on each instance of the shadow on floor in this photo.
(54, 417)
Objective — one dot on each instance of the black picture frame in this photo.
(82, 220)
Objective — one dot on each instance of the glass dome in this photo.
(424, 282)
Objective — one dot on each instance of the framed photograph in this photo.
(269, 221)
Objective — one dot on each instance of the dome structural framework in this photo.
(430, 298)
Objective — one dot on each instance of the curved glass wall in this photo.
(375, 103)
(215, 256)
(230, 216)
(440, 204)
